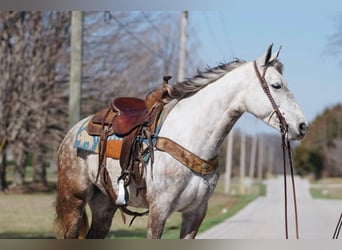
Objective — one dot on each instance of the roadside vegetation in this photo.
(329, 188)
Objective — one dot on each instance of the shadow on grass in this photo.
(117, 234)
(26, 236)
(171, 232)
(129, 234)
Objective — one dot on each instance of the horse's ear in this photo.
(268, 57)
(262, 61)
(274, 57)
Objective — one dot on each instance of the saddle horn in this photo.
(166, 79)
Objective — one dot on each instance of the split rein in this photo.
(286, 147)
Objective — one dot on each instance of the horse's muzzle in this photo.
(303, 129)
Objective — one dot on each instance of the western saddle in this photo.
(134, 120)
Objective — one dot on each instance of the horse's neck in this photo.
(201, 122)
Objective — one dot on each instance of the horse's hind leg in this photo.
(103, 210)
(192, 220)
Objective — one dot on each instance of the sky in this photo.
(314, 77)
(244, 29)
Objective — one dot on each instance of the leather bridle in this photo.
(338, 228)
(283, 127)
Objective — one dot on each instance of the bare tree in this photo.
(13, 89)
(334, 44)
(48, 121)
(30, 45)
(125, 53)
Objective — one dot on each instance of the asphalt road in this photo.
(264, 218)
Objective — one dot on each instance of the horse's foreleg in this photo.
(191, 221)
(102, 209)
(156, 221)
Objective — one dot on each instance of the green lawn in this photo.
(329, 188)
(31, 215)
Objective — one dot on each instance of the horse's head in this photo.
(267, 71)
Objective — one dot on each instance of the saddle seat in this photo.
(131, 112)
(125, 114)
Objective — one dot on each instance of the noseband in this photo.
(283, 127)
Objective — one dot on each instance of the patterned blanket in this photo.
(114, 143)
(90, 143)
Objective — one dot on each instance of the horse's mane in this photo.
(203, 78)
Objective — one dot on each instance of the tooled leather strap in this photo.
(186, 157)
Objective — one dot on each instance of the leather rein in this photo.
(286, 147)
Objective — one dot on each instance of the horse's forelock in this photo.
(278, 66)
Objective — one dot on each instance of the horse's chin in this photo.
(292, 134)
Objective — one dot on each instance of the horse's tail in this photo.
(84, 228)
(59, 219)
(58, 222)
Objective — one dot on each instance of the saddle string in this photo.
(283, 126)
(103, 144)
(105, 177)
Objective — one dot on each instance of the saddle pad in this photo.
(91, 143)
(114, 144)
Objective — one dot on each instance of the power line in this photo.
(213, 36)
(108, 16)
(156, 29)
(226, 32)
(158, 54)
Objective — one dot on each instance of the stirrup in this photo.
(121, 200)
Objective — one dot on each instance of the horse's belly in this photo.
(114, 170)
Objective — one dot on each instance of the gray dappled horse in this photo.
(205, 108)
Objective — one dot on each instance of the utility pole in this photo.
(75, 67)
(270, 161)
(252, 162)
(229, 158)
(250, 178)
(242, 163)
(182, 51)
(260, 157)
(253, 157)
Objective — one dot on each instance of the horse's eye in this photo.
(276, 85)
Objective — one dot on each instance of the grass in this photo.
(31, 215)
(221, 207)
(26, 215)
(329, 188)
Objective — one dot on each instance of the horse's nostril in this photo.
(303, 128)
